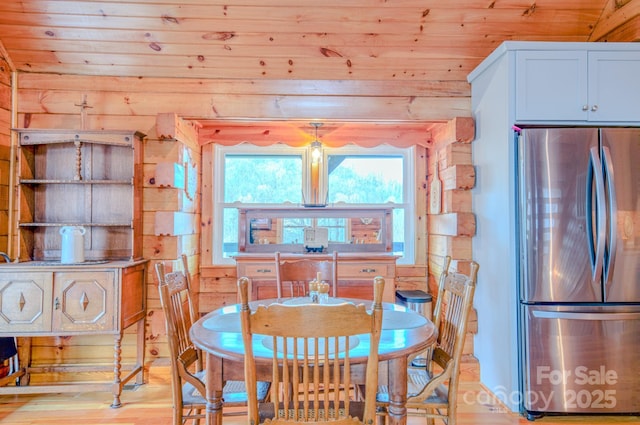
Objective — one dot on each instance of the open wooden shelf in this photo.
(80, 178)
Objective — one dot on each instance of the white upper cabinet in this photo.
(551, 85)
(577, 86)
(614, 86)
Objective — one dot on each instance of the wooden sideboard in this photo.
(355, 273)
(46, 298)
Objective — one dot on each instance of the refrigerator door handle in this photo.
(585, 316)
(597, 257)
(613, 218)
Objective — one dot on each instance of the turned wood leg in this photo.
(24, 359)
(397, 410)
(214, 385)
(140, 351)
(117, 383)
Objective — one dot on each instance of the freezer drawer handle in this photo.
(585, 316)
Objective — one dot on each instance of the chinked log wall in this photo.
(450, 232)
(171, 207)
(49, 101)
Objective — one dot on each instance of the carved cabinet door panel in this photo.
(25, 301)
(84, 301)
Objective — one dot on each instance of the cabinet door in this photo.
(84, 301)
(263, 289)
(551, 86)
(614, 86)
(25, 302)
(360, 277)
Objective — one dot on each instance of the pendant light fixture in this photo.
(316, 160)
(316, 145)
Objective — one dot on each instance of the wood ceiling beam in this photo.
(614, 17)
(298, 133)
(4, 55)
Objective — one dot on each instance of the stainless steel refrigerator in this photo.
(579, 243)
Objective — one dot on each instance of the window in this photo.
(278, 175)
(366, 177)
(262, 179)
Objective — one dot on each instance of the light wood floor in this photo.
(150, 404)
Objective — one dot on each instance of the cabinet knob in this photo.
(585, 107)
(594, 108)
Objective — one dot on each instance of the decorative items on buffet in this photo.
(319, 290)
(316, 239)
(323, 293)
(72, 250)
(313, 290)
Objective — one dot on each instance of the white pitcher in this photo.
(72, 250)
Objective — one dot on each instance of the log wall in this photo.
(171, 214)
(5, 148)
(51, 101)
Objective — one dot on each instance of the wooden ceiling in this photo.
(419, 40)
(376, 61)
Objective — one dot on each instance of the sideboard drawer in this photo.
(364, 270)
(258, 270)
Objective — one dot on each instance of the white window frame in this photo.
(409, 187)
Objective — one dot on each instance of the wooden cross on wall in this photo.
(83, 112)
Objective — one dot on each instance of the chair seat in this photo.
(233, 393)
(417, 379)
(356, 410)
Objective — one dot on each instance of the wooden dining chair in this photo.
(293, 275)
(311, 353)
(187, 372)
(432, 390)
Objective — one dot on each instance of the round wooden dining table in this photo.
(219, 335)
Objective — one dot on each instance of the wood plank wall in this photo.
(5, 149)
(50, 101)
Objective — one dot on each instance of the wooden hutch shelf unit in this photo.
(362, 237)
(76, 178)
(80, 178)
